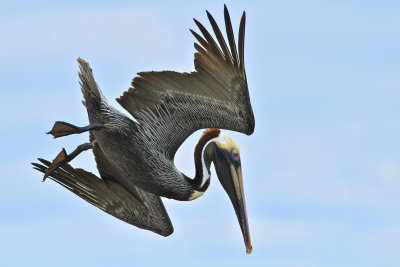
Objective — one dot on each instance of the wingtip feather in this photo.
(241, 40)
(221, 40)
(230, 34)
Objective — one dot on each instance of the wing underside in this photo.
(170, 105)
(144, 210)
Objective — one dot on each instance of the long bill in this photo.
(240, 208)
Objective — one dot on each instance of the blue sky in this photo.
(321, 171)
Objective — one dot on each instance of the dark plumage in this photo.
(135, 158)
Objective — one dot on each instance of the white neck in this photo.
(206, 173)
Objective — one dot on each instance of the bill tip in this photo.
(249, 250)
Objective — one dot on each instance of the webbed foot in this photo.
(61, 128)
(63, 158)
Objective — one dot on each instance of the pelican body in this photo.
(135, 158)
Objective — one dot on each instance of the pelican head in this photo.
(225, 154)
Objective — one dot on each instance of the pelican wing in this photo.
(140, 208)
(170, 106)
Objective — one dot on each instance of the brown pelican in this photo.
(135, 156)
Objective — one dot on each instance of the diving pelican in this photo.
(135, 158)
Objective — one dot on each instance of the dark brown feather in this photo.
(210, 40)
(220, 38)
(231, 36)
(112, 198)
(241, 40)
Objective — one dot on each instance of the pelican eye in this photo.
(235, 154)
(235, 157)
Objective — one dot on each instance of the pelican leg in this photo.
(63, 158)
(61, 128)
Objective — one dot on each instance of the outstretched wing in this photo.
(139, 208)
(170, 106)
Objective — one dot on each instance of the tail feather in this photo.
(94, 101)
(89, 87)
